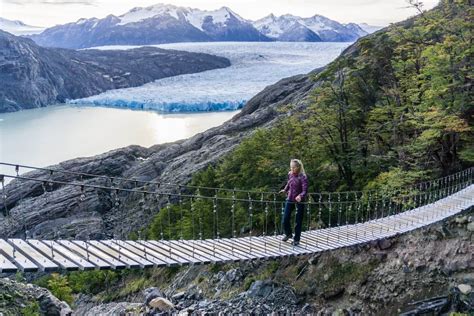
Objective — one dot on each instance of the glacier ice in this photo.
(255, 65)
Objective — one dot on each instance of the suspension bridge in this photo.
(200, 225)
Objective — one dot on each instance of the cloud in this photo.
(51, 2)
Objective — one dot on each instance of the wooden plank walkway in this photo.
(47, 255)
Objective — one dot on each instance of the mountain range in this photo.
(163, 23)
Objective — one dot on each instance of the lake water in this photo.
(47, 136)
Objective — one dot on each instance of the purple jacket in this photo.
(296, 185)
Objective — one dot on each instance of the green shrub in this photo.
(32, 309)
(59, 287)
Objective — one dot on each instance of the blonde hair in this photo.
(299, 164)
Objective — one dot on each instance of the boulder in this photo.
(161, 304)
(151, 293)
(465, 288)
(260, 288)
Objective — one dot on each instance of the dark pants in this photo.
(289, 206)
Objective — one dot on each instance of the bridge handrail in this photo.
(468, 171)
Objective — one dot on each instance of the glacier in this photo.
(254, 65)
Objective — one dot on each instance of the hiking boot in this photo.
(285, 238)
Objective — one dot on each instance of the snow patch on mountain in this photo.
(18, 27)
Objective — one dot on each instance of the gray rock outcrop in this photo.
(15, 297)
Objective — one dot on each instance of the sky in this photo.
(52, 12)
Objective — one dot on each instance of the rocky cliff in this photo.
(33, 76)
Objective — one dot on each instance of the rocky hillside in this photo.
(34, 76)
(433, 264)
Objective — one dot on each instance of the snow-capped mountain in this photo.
(316, 28)
(164, 23)
(18, 27)
(286, 28)
(370, 28)
(155, 24)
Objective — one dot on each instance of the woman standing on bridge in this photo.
(296, 189)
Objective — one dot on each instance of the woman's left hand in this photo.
(298, 199)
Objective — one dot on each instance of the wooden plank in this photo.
(345, 239)
(255, 243)
(252, 247)
(285, 246)
(164, 246)
(163, 257)
(118, 246)
(320, 236)
(18, 258)
(169, 253)
(80, 261)
(211, 249)
(234, 243)
(88, 256)
(45, 249)
(197, 252)
(235, 255)
(43, 262)
(311, 238)
(143, 254)
(316, 239)
(7, 266)
(117, 259)
(221, 243)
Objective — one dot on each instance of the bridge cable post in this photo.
(17, 171)
(232, 211)
(215, 228)
(251, 220)
(339, 213)
(4, 195)
(275, 227)
(368, 210)
(193, 223)
(55, 237)
(282, 214)
(348, 208)
(265, 223)
(296, 220)
(160, 217)
(330, 210)
(198, 198)
(168, 209)
(320, 209)
(308, 217)
(366, 217)
(180, 205)
(377, 198)
(330, 216)
(376, 207)
(357, 201)
(87, 247)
